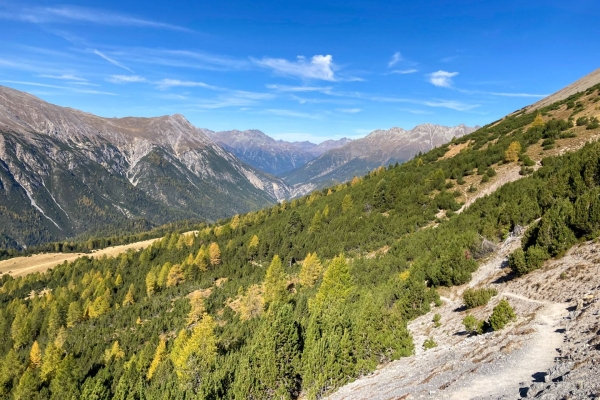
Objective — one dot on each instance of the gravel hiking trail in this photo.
(537, 356)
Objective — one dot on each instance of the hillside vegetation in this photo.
(305, 296)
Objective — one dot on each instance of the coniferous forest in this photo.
(301, 297)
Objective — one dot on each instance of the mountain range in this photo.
(273, 156)
(64, 172)
(380, 147)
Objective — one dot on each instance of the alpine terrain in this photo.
(267, 154)
(380, 147)
(64, 172)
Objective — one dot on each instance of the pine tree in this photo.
(129, 296)
(336, 287)
(55, 320)
(74, 314)
(159, 356)
(175, 276)
(235, 222)
(21, 331)
(150, 283)
(119, 281)
(201, 259)
(198, 356)
(315, 223)
(214, 253)
(347, 204)
(114, 353)
(311, 270)
(161, 280)
(512, 153)
(253, 247)
(275, 284)
(35, 356)
(52, 357)
(538, 121)
(197, 308)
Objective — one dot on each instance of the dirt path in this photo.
(536, 357)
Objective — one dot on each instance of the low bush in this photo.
(478, 297)
(502, 314)
(429, 344)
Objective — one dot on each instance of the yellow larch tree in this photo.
(159, 356)
(35, 356)
(311, 270)
(214, 254)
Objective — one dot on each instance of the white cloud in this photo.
(169, 83)
(64, 77)
(350, 110)
(65, 14)
(396, 58)
(110, 60)
(300, 89)
(290, 113)
(454, 105)
(126, 79)
(518, 94)
(414, 111)
(404, 71)
(318, 67)
(76, 90)
(442, 78)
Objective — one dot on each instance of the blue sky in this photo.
(301, 70)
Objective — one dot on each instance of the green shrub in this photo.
(581, 121)
(472, 188)
(478, 297)
(502, 314)
(485, 179)
(593, 124)
(429, 344)
(436, 320)
(491, 172)
(473, 325)
(517, 263)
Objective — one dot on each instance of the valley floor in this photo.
(550, 352)
(20, 266)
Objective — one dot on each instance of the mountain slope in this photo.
(64, 171)
(261, 151)
(303, 297)
(380, 147)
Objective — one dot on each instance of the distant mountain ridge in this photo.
(64, 172)
(267, 154)
(380, 147)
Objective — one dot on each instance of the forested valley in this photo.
(304, 296)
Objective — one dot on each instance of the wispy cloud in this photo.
(67, 14)
(300, 89)
(451, 104)
(442, 78)
(126, 79)
(404, 71)
(350, 110)
(65, 77)
(415, 111)
(318, 67)
(396, 58)
(76, 90)
(290, 113)
(169, 83)
(518, 94)
(110, 60)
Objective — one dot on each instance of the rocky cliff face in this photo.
(380, 147)
(63, 171)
